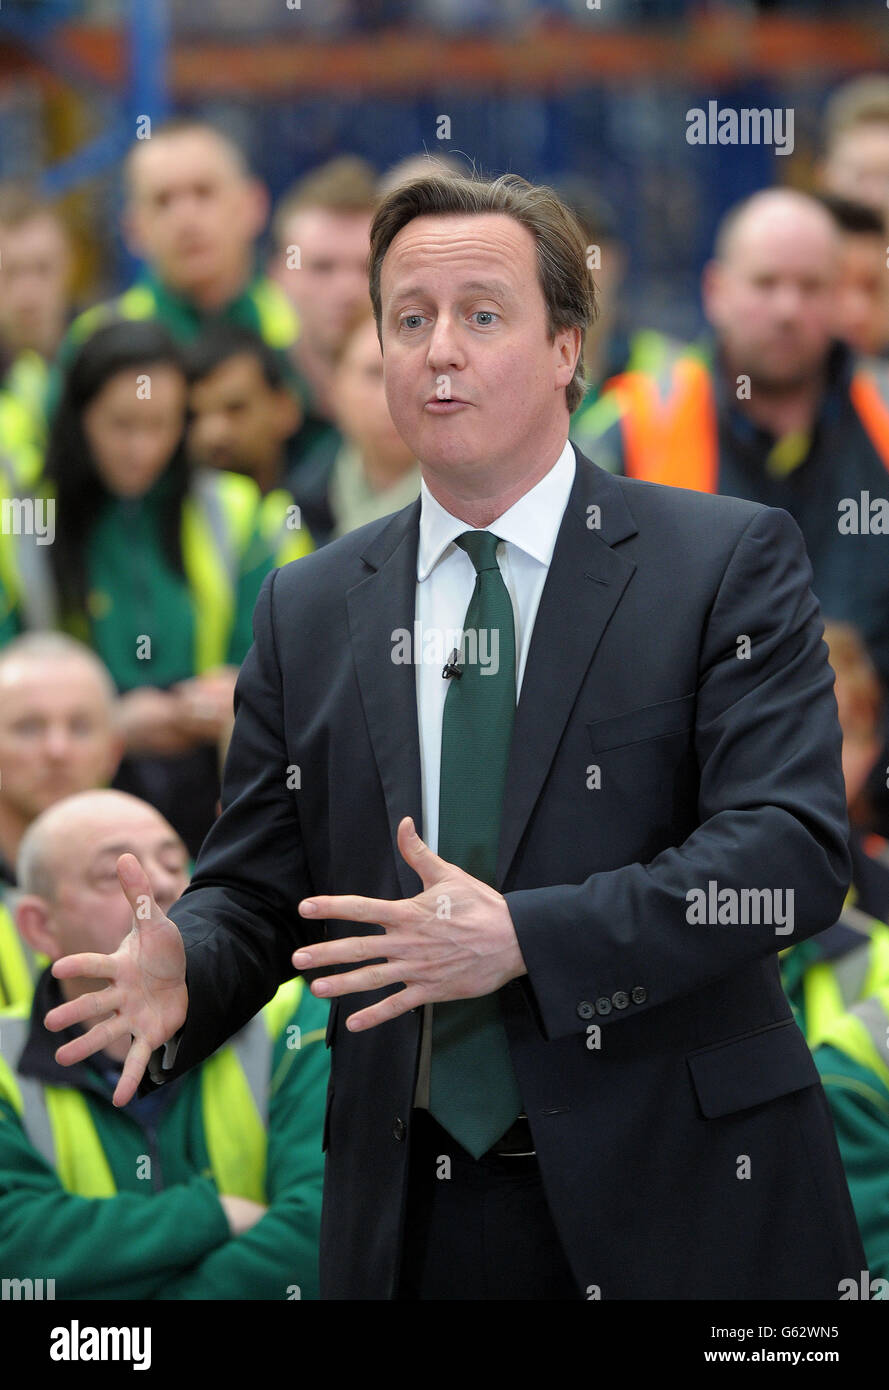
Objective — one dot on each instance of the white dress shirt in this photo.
(445, 582)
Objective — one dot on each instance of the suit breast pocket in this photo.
(640, 725)
(751, 1069)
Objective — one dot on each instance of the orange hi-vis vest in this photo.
(669, 427)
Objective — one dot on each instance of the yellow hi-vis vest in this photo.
(862, 1033)
(16, 976)
(832, 987)
(218, 518)
(234, 1101)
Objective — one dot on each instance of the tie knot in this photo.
(481, 547)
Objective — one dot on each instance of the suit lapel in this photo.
(378, 606)
(586, 580)
(585, 583)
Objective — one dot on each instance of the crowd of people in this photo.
(224, 416)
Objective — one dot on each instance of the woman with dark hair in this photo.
(155, 565)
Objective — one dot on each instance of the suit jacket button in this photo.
(399, 1129)
(620, 999)
(585, 1010)
(603, 1005)
(639, 995)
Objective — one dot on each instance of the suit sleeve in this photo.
(771, 806)
(238, 916)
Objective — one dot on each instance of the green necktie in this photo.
(472, 1087)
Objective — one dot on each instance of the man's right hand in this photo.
(146, 997)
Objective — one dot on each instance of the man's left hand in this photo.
(455, 940)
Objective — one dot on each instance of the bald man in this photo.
(776, 409)
(232, 1151)
(57, 736)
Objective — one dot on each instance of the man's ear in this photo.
(34, 922)
(257, 205)
(711, 287)
(568, 341)
(131, 232)
(288, 412)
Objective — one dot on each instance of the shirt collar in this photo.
(532, 523)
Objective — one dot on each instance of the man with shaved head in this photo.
(778, 411)
(57, 736)
(212, 1190)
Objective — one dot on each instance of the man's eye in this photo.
(405, 322)
(487, 314)
(28, 728)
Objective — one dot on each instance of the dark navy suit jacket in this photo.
(686, 1148)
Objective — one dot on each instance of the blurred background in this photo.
(192, 394)
(540, 87)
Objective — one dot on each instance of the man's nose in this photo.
(57, 741)
(788, 301)
(211, 429)
(445, 349)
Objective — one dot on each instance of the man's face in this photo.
(192, 213)
(237, 420)
(88, 910)
(772, 299)
(463, 316)
(330, 283)
(360, 399)
(862, 298)
(35, 263)
(858, 166)
(132, 436)
(55, 733)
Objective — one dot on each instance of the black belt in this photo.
(517, 1142)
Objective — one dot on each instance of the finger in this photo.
(391, 1007)
(351, 981)
(134, 882)
(133, 1071)
(89, 965)
(100, 1036)
(415, 852)
(84, 1007)
(345, 950)
(350, 908)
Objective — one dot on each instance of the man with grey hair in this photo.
(57, 737)
(543, 1072)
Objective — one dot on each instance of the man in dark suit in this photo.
(562, 1062)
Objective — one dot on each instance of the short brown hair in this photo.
(565, 279)
(347, 184)
(175, 126)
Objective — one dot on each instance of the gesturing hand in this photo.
(455, 940)
(146, 997)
